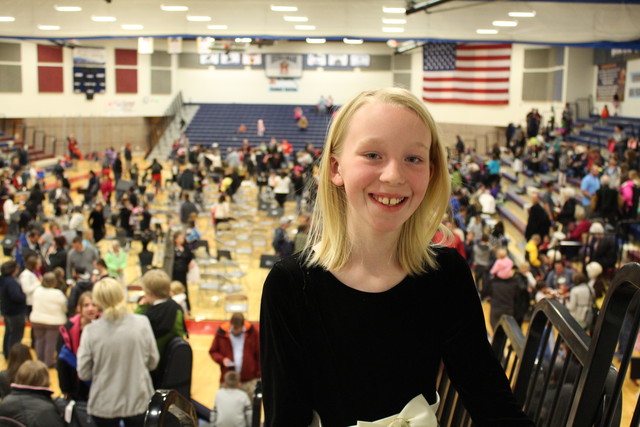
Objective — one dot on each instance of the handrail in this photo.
(168, 405)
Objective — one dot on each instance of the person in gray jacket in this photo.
(116, 353)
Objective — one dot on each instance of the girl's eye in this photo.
(372, 156)
(413, 159)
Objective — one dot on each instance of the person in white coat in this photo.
(48, 314)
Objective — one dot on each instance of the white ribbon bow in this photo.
(417, 413)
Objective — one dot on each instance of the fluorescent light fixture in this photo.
(67, 8)
(243, 39)
(522, 14)
(217, 27)
(167, 8)
(504, 23)
(393, 9)
(392, 30)
(316, 41)
(284, 8)
(296, 18)
(49, 27)
(352, 41)
(485, 31)
(103, 18)
(132, 27)
(393, 21)
(7, 19)
(196, 18)
(305, 27)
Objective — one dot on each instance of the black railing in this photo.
(170, 408)
(560, 375)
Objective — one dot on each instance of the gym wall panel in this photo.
(160, 59)
(49, 53)
(190, 60)
(160, 82)
(50, 79)
(10, 78)
(10, 52)
(379, 63)
(126, 80)
(126, 57)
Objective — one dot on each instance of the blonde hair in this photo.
(33, 373)
(108, 295)
(157, 282)
(177, 287)
(329, 244)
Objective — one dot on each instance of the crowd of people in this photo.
(73, 293)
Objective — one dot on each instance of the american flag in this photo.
(467, 73)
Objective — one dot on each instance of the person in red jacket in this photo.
(236, 345)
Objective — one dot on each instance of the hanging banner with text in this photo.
(283, 66)
(611, 81)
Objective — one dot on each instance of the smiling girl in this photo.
(354, 329)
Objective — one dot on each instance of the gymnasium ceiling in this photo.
(562, 22)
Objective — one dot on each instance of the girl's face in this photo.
(180, 239)
(88, 309)
(384, 167)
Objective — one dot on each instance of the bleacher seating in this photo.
(218, 123)
(596, 131)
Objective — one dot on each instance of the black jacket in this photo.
(12, 298)
(31, 406)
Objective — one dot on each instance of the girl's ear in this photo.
(336, 178)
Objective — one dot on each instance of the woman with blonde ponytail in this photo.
(116, 353)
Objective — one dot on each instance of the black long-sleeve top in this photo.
(356, 356)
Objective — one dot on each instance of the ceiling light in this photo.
(305, 27)
(522, 14)
(296, 18)
(316, 41)
(174, 8)
(7, 19)
(504, 23)
(217, 27)
(132, 27)
(484, 31)
(393, 9)
(392, 30)
(49, 27)
(67, 8)
(195, 18)
(284, 8)
(103, 18)
(352, 41)
(243, 39)
(393, 21)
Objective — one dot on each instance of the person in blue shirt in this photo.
(589, 185)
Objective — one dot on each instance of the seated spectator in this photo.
(560, 276)
(13, 305)
(504, 292)
(303, 123)
(232, 407)
(487, 202)
(68, 344)
(116, 353)
(581, 227)
(297, 113)
(601, 249)
(48, 314)
(30, 400)
(18, 354)
(242, 128)
(581, 300)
